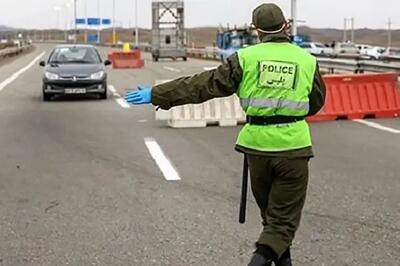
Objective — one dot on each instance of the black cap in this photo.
(268, 17)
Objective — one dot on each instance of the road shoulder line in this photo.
(377, 126)
(161, 160)
(14, 76)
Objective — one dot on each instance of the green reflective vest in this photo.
(277, 80)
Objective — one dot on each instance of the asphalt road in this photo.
(79, 187)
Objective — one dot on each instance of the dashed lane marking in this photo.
(166, 167)
(119, 100)
(123, 103)
(172, 69)
(377, 126)
(112, 89)
(14, 76)
(210, 68)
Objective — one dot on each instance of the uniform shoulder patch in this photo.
(277, 75)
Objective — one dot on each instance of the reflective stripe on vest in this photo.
(275, 103)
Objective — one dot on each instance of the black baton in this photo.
(243, 199)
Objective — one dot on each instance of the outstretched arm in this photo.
(220, 82)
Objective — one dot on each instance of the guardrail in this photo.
(12, 51)
(357, 66)
(345, 63)
(371, 66)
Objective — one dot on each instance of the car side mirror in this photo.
(42, 63)
(107, 62)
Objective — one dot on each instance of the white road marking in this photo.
(112, 89)
(14, 76)
(210, 68)
(123, 103)
(119, 100)
(142, 121)
(172, 69)
(162, 161)
(377, 126)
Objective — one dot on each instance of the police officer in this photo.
(278, 84)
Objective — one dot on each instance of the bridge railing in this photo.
(11, 51)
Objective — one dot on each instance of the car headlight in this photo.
(97, 75)
(51, 76)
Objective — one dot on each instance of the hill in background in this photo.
(205, 36)
(5, 28)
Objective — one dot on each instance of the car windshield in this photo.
(70, 55)
(319, 45)
(380, 50)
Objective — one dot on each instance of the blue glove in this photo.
(141, 96)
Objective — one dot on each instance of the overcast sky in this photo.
(316, 13)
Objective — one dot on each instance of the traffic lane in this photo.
(79, 187)
(389, 122)
(354, 195)
(353, 208)
(82, 205)
(202, 156)
(10, 66)
(361, 161)
(50, 163)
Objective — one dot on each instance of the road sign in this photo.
(106, 21)
(80, 21)
(93, 21)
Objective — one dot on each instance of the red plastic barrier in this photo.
(360, 96)
(126, 60)
(110, 56)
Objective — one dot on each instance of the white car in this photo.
(316, 48)
(363, 48)
(346, 48)
(374, 52)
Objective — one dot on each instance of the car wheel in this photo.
(185, 58)
(47, 97)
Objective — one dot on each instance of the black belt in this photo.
(272, 120)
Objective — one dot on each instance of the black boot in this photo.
(263, 256)
(259, 260)
(285, 259)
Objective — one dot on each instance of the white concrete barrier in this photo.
(223, 112)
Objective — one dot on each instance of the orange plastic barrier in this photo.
(131, 59)
(360, 96)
